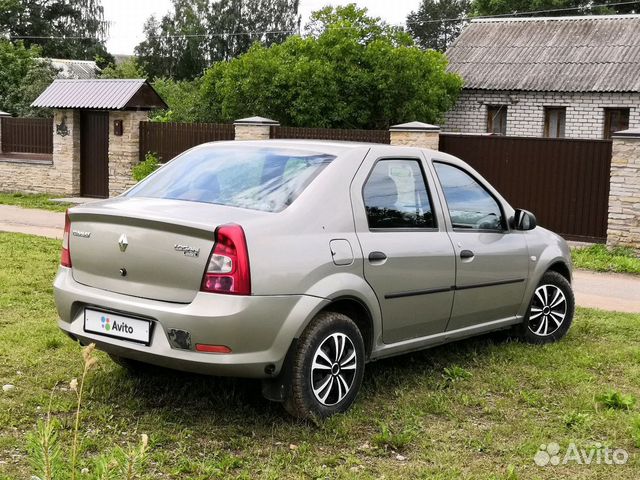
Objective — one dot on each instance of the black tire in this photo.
(546, 310)
(324, 331)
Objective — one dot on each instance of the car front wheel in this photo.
(327, 367)
(550, 312)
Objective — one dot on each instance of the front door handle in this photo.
(464, 254)
(377, 257)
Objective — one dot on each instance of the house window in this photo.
(497, 119)
(554, 121)
(615, 120)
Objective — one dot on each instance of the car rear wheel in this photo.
(327, 367)
(550, 311)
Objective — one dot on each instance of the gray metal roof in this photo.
(101, 94)
(79, 69)
(562, 54)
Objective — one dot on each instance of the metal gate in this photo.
(94, 154)
(564, 182)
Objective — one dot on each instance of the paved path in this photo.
(32, 221)
(607, 291)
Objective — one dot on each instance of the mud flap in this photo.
(275, 389)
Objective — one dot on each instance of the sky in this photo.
(128, 16)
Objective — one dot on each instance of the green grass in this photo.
(41, 201)
(477, 409)
(603, 259)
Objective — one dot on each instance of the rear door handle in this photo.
(466, 254)
(377, 257)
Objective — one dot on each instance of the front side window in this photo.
(471, 207)
(395, 196)
(257, 178)
(497, 119)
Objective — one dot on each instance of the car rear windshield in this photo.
(267, 179)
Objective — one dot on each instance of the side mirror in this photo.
(524, 220)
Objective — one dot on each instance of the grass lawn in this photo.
(478, 409)
(32, 201)
(603, 259)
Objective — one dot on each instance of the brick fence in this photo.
(624, 196)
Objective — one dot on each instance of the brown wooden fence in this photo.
(564, 182)
(27, 135)
(349, 135)
(170, 139)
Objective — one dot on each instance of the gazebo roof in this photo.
(100, 94)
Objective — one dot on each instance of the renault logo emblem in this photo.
(123, 242)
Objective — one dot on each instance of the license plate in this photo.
(117, 326)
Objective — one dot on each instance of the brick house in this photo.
(575, 77)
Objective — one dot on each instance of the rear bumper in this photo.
(258, 329)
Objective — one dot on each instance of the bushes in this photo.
(146, 167)
(353, 71)
(349, 71)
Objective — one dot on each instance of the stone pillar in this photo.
(624, 193)
(124, 150)
(254, 128)
(415, 134)
(66, 153)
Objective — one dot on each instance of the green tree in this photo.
(351, 71)
(183, 99)
(36, 21)
(129, 68)
(183, 43)
(437, 23)
(23, 76)
(579, 7)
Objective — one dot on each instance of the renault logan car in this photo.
(297, 262)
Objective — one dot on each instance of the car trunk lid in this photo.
(149, 248)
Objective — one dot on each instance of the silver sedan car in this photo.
(297, 262)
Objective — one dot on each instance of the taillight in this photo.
(65, 255)
(228, 267)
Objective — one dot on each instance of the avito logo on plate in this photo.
(107, 325)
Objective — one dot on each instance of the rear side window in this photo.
(395, 196)
(265, 179)
(471, 207)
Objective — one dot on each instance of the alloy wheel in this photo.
(333, 369)
(548, 310)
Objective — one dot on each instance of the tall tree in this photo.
(23, 76)
(350, 70)
(437, 23)
(551, 7)
(199, 32)
(73, 29)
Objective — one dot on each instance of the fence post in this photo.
(415, 134)
(124, 148)
(624, 192)
(2, 115)
(254, 128)
(66, 153)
